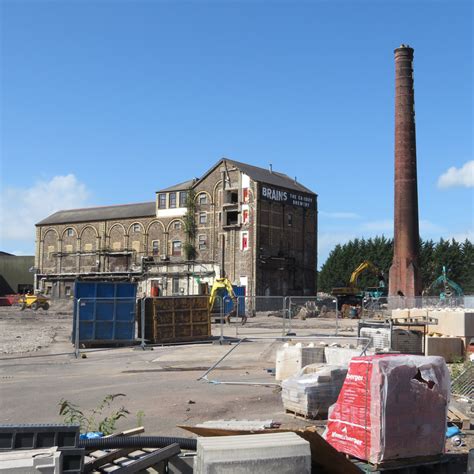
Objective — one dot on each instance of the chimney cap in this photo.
(404, 48)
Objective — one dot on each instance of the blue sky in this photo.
(106, 102)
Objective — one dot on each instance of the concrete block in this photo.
(285, 453)
(400, 313)
(457, 323)
(451, 348)
(341, 355)
(291, 358)
(418, 313)
(31, 461)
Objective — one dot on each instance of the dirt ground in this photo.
(38, 369)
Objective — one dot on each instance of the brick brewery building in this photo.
(258, 226)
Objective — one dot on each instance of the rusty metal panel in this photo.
(178, 319)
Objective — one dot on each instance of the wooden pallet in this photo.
(400, 463)
(316, 420)
(459, 418)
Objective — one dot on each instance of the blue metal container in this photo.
(106, 311)
(239, 291)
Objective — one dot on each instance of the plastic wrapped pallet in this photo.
(313, 390)
(292, 357)
(391, 407)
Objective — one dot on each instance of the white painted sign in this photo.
(286, 196)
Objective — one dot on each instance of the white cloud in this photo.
(339, 215)
(458, 177)
(462, 236)
(384, 225)
(22, 208)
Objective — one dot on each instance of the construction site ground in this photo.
(38, 369)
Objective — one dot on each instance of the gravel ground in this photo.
(30, 331)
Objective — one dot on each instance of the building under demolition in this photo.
(256, 226)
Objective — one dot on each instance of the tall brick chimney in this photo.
(405, 277)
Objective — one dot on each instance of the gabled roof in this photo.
(180, 187)
(124, 211)
(263, 175)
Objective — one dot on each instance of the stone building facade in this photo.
(256, 226)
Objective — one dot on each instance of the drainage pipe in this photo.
(118, 442)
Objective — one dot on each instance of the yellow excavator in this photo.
(352, 294)
(222, 288)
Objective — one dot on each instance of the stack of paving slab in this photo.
(450, 337)
(292, 357)
(285, 453)
(452, 324)
(391, 407)
(313, 390)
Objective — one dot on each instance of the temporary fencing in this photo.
(253, 350)
(429, 302)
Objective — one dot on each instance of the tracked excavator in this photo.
(353, 295)
(449, 287)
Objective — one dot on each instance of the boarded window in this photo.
(68, 248)
(117, 245)
(88, 247)
(245, 216)
(50, 250)
(136, 245)
(245, 194)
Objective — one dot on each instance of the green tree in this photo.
(458, 258)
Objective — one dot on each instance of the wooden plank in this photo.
(457, 416)
(150, 459)
(131, 432)
(107, 458)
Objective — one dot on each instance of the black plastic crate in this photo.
(38, 436)
(72, 460)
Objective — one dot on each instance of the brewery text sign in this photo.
(287, 196)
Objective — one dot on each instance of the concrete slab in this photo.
(457, 323)
(451, 348)
(285, 453)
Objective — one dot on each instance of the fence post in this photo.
(238, 315)
(76, 335)
(221, 339)
(287, 304)
(142, 317)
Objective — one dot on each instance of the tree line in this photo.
(457, 257)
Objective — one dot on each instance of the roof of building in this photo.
(180, 186)
(263, 175)
(123, 211)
